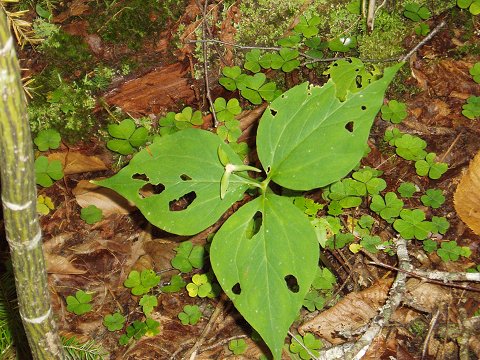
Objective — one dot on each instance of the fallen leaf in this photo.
(467, 196)
(105, 199)
(77, 163)
(57, 264)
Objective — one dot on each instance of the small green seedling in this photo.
(91, 214)
(411, 147)
(167, 124)
(373, 184)
(291, 41)
(388, 208)
(394, 111)
(407, 189)
(450, 251)
(313, 301)
(232, 77)
(371, 243)
(416, 12)
(472, 5)
(200, 286)
(440, 225)
(148, 302)
(138, 329)
(127, 137)
(79, 304)
(474, 269)
(252, 60)
(230, 131)
(475, 72)
(433, 198)
(47, 139)
(46, 171)
(430, 167)
(176, 284)
(429, 246)
(310, 342)
(471, 109)
(114, 322)
(308, 26)
(190, 315)
(188, 257)
(366, 222)
(255, 89)
(141, 283)
(392, 135)
(237, 346)
(187, 118)
(285, 59)
(412, 224)
(422, 29)
(340, 240)
(44, 204)
(308, 206)
(324, 279)
(226, 111)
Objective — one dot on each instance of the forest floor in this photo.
(98, 258)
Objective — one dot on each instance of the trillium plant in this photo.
(265, 256)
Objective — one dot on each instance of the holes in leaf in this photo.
(148, 190)
(358, 81)
(273, 112)
(183, 202)
(236, 289)
(349, 126)
(292, 283)
(185, 177)
(347, 59)
(254, 225)
(138, 176)
(363, 108)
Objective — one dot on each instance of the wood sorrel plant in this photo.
(265, 256)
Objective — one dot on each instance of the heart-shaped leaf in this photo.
(321, 139)
(183, 172)
(139, 137)
(120, 146)
(123, 130)
(256, 258)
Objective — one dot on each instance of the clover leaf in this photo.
(372, 183)
(309, 341)
(416, 12)
(136, 330)
(126, 137)
(91, 214)
(167, 124)
(410, 147)
(313, 301)
(191, 314)
(429, 246)
(392, 135)
(394, 111)
(237, 346)
(472, 5)
(44, 204)
(254, 89)
(388, 207)
(450, 251)
(433, 198)
(422, 29)
(308, 26)
(429, 166)
(141, 283)
(440, 225)
(79, 304)
(285, 59)
(371, 243)
(232, 77)
(148, 302)
(407, 189)
(412, 224)
(200, 286)
(114, 322)
(176, 284)
(289, 41)
(47, 139)
(226, 111)
(230, 131)
(471, 109)
(252, 60)
(339, 240)
(46, 171)
(188, 118)
(366, 222)
(475, 72)
(153, 327)
(188, 257)
(324, 279)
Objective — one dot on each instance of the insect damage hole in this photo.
(236, 289)
(183, 202)
(349, 126)
(292, 283)
(138, 176)
(254, 225)
(273, 112)
(148, 190)
(185, 177)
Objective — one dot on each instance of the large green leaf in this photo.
(266, 243)
(176, 165)
(308, 138)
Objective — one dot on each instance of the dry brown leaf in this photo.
(77, 163)
(425, 296)
(57, 264)
(105, 199)
(467, 196)
(352, 312)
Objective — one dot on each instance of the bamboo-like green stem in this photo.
(19, 207)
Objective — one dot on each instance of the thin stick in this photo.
(424, 41)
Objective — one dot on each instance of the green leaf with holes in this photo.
(320, 140)
(267, 259)
(184, 173)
